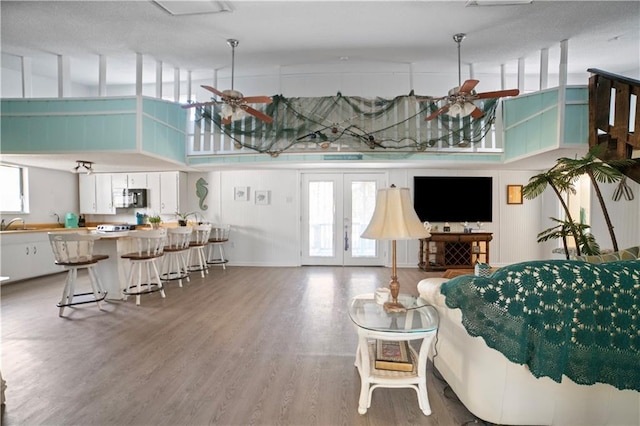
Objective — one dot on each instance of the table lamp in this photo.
(394, 219)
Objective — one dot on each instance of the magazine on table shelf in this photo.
(393, 355)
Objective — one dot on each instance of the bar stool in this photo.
(199, 240)
(147, 246)
(174, 262)
(74, 251)
(218, 236)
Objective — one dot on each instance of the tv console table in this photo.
(452, 250)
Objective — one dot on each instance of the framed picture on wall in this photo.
(262, 197)
(241, 193)
(514, 194)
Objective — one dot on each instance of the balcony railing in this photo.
(343, 124)
(614, 117)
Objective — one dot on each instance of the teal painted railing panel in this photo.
(522, 107)
(577, 94)
(63, 106)
(67, 125)
(162, 140)
(535, 134)
(167, 112)
(576, 125)
(297, 157)
(164, 129)
(531, 122)
(64, 133)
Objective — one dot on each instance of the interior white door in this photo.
(336, 208)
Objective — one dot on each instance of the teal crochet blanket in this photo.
(558, 317)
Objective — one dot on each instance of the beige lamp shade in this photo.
(394, 217)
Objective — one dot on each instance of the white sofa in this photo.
(499, 391)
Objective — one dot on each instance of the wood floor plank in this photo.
(242, 346)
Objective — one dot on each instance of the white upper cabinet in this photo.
(167, 192)
(96, 195)
(129, 180)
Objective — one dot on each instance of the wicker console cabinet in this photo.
(451, 250)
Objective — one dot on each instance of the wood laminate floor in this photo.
(245, 346)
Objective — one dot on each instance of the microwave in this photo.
(128, 198)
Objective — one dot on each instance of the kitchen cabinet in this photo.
(26, 256)
(96, 195)
(167, 192)
(129, 180)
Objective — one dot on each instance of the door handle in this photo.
(346, 240)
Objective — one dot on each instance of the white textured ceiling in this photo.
(282, 37)
(286, 34)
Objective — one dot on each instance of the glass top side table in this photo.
(419, 323)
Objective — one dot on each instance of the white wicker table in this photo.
(419, 322)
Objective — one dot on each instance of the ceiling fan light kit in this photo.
(234, 103)
(459, 100)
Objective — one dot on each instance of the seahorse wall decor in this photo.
(201, 192)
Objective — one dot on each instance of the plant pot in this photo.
(182, 222)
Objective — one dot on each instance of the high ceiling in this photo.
(288, 36)
(280, 36)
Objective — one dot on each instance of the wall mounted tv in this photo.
(453, 198)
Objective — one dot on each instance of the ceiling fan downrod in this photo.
(233, 43)
(458, 39)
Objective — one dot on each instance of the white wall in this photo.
(261, 235)
(50, 191)
(624, 215)
(270, 235)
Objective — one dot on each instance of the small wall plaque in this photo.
(514, 194)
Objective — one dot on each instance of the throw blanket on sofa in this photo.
(558, 317)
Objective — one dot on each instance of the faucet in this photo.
(6, 227)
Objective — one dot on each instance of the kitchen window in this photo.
(13, 189)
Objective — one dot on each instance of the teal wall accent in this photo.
(109, 124)
(576, 122)
(576, 119)
(525, 106)
(531, 121)
(164, 129)
(490, 158)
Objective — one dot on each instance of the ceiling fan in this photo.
(234, 103)
(460, 99)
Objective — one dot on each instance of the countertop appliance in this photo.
(121, 227)
(71, 220)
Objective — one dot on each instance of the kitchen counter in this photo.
(50, 227)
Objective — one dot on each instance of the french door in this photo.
(336, 209)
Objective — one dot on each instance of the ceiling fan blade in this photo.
(199, 104)
(258, 99)
(429, 99)
(497, 94)
(213, 90)
(477, 113)
(468, 86)
(438, 112)
(257, 114)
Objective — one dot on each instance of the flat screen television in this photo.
(453, 198)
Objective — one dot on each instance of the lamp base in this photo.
(390, 307)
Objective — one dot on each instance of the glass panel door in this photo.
(336, 209)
